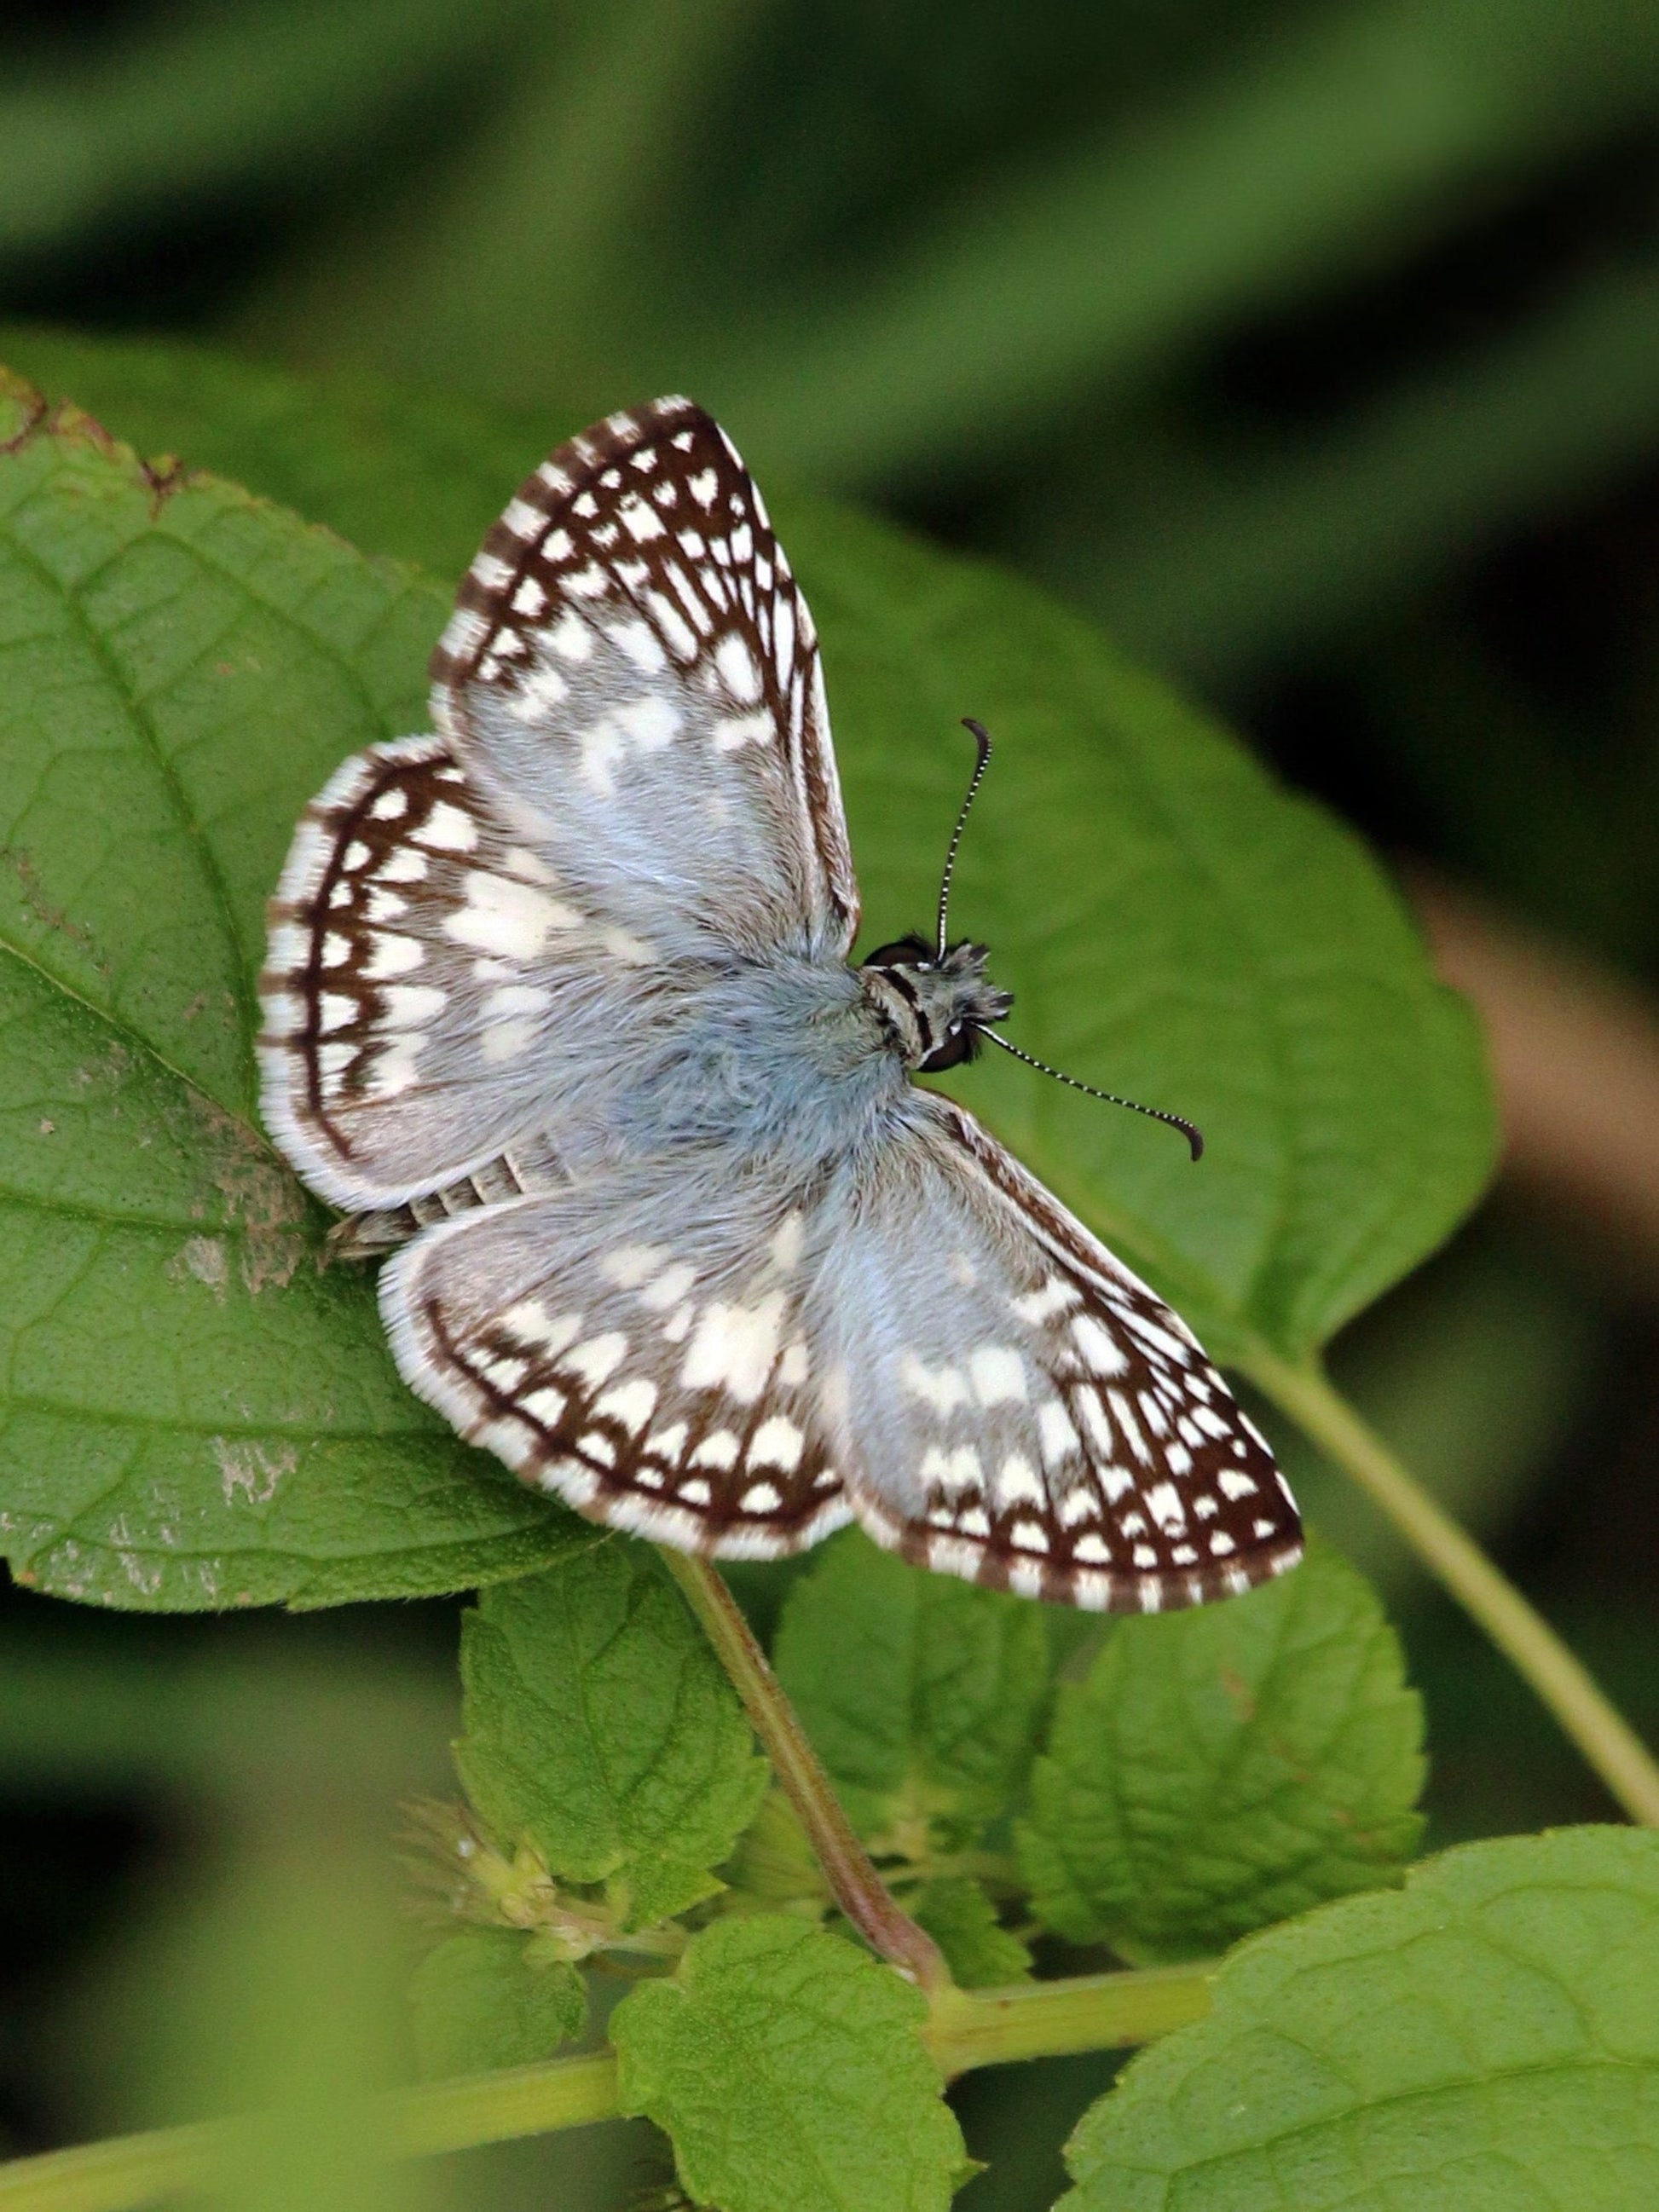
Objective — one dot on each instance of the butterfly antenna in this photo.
(984, 744)
(1195, 1137)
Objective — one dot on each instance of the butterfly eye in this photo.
(958, 1044)
(905, 952)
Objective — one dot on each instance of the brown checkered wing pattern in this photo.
(632, 674)
(1011, 1404)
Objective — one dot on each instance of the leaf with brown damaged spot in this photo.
(262, 1200)
(195, 1414)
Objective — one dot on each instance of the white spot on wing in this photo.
(734, 1348)
(943, 1388)
(1055, 1296)
(630, 1403)
(632, 1264)
(777, 1443)
(1060, 1440)
(1100, 1349)
(999, 1374)
(1017, 1484)
(447, 829)
(952, 1471)
(393, 956)
(596, 1360)
(506, 917)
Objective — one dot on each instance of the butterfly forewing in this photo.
(632, 671)
(636, 772)
(420, 963)
(1018, 1407)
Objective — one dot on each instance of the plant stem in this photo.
(1044, 2020)
(119, 2175)
(967, 2029)
(1562, 1681)
(487, 2108)
(857, 1887)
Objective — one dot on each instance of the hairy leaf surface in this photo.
(598, 1725)
(1222, 1769)
(787, 2067)
(1487, 2038)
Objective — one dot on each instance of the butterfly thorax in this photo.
(933, 1008)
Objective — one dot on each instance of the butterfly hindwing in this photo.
(635, 1353)
(1014, 1405)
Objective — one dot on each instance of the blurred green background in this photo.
(1312, 347)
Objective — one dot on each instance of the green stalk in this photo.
(119, 2175)
(968, 2028)
(858, 1889)
(1607, 1741)
(1046, 2020)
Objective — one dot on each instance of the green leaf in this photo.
(936, 1721)
(1489, 2037)
(787, 2067)
(598, 1725)
(482, 1998)
(416, 475)
(195, 1414)
(1222, 1769)
(980, 1952)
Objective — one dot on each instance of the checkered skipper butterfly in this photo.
(563, 991)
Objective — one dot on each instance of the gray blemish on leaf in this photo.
(144, 1578)
(264, 1202)
(254, 1469)
(205, 1258)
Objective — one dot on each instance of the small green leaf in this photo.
(1221, 1769)
(787, 2068)
(598, 1725)
(481, 1998)
(980, 1952)
(1488, 2038)
(194, 1412)
(936, 1720)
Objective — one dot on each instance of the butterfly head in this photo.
(935, 1007)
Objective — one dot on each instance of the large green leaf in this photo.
(1220, 1770)
(1486, 2041)
(418, 477)
(195, 1411)
(188, 665)
(1175, 923)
